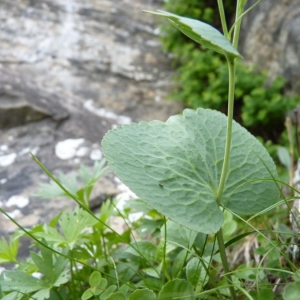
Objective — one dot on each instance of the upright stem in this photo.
(239, 11)
(225, 264)
(223, 18)
(231, 69)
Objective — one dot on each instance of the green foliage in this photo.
(169, 165)
(9, 250)
(199, 169)
(202, 77)
(201, 33)
(81, 191)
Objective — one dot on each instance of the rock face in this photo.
(70, 71)
(270, 39)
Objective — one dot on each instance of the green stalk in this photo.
(231, 71)
(225, 263)
(231, 68)
(223, 19)
(239, 11)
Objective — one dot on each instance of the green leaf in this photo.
(53, 268)
(179, 235)
(108, 292)
(201, 33)
(22, 282)
(265, 294)
(73, 223)
(175, 167)
(291, 291)
(124, 288)
(177, 288)
(196, 273)
(142, 294)
(87, 295)
(41, 294)
(229, 226)
(296, 276)
(117, 296)
(13, 296)
(144, 248)
(95, 279)
(9, 250)
(284, 157)
(179, 263)
(52, 190)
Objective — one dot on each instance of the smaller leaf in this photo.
(12, 296)
(201, 33)
(177, 288)
(79, 219)
(9, 250)
(229, 226)
(266, 294)
(117, 296)
(124, 288)
(108, 292)
(144, 249)
(179, 263)
(142, 294)
(296, 276)
(291, 291)
(87, 295)
(21, 281)
(284, 157)
(95, 279)
(41, 294)
(196, 273)
(180, 235)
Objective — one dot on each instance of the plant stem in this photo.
(239, 11)
(231, 68)
(231, 71)
(223, 19)
(225, 264)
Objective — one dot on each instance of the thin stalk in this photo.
(231, 68)
(223, 19)
(225, 264)
(239, 11)
(231, 72)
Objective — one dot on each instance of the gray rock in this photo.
(69, 72)
(22, 102)
(270, 39)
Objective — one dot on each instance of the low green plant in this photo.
(205, 184)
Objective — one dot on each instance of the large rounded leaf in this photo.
(175, 167)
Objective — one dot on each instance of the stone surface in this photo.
(270, 39)
(22, 102)
(70, 71)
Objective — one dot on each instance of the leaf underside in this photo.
(201, 32)
(175, 167)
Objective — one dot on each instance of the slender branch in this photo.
(225, 263)
(231, 68)
(223, 19)
(239, 12)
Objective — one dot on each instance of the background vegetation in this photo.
(202, 81)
